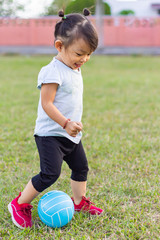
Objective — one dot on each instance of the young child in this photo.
(58, 129)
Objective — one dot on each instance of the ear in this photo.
(58, 45)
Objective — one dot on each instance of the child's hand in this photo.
(73, 128)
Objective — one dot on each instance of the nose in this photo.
(85, 58)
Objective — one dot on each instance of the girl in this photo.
(58, 129)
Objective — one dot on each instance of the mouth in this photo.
(77, 65)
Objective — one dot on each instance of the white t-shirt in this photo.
(68, 99)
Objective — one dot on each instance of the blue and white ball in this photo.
(55, 209)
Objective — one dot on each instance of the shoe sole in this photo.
(13, 220)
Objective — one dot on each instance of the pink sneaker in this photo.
(87, 206)
(21, 213)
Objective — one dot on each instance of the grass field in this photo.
(121, 137)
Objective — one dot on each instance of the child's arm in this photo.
(48, 93)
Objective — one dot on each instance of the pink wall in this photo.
(27, 32)
(129, 31)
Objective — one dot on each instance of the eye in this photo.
(78, 54)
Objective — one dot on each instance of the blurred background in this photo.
(124, 26)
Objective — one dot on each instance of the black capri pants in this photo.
(52, 152)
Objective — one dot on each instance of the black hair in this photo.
(75, 26)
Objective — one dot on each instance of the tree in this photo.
(127, 12)
(71, 6)
(55, 6)
(79, 5)
(9, 8)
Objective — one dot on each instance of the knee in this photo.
(48, 180)
(43, 181)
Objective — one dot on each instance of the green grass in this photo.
(121, 137)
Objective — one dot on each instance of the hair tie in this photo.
(64, 17)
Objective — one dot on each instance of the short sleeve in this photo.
(49, 74)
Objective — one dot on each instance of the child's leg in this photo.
(79, 190)
(28, 194)
(81, 203)
(78, 163)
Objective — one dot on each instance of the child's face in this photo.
(75, 55)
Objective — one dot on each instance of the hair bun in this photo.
(86, 12)
(61, 13)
